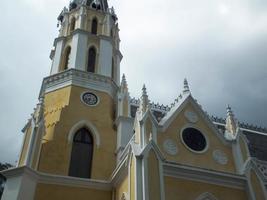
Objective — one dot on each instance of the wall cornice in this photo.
(79, 78)
(44, 178)
(204, 175)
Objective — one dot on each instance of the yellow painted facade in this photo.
(49, 191)
(243, 147)
(179, 189)
(56, 147)
(25, 147)
(122, 188)
(185, 156)
(132, 179)
(257, 186)
(153, 176)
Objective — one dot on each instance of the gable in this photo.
(216, 155)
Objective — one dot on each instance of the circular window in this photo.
(194, 139)
(89, 98)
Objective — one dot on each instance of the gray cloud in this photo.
(219, 45)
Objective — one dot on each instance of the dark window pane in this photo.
(81, 155)
(194, 139)
(91, 60)
(94, 27)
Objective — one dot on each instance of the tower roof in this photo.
(97, 4)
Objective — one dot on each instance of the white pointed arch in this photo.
(206, 196)
(89, 126)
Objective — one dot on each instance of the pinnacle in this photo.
(144, 93)
(186, 87)
(229, 111)
(144, 101)
(124, 86)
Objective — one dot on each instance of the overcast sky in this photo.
(220, 46)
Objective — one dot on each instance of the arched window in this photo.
(72, 24)
(66, 61)
(91, 60)
(94, 26)
(113, 70)
(82, 154)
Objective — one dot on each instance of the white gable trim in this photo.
(86, 124)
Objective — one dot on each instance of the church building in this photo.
(88, 139)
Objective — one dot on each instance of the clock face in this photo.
(194, 139)
(89, 98)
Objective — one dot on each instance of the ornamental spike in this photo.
(186, 87)
(124, 85)
(144, 101)
(231, 125)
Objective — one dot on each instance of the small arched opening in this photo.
(91, 60)
(72, 24)
(113, 69)
(66, 57)
(82, 154)
(94, 26)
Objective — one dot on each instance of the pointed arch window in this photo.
(66, 61)
(113, 69)
(91, 60)
(94, 26)
(82, 154)
(72, 24)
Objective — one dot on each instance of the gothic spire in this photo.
(124, 85)
(231, 123)
(95, 4)
(144, 101)
(186, 87)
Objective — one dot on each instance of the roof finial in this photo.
(231, 125)
(144, 101)
(186, 87)
(124, 85)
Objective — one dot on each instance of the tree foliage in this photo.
(4, 166)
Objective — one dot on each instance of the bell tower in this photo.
(88, 39)
(72, 131)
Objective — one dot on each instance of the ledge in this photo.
(40, 177)
(205, 175)
(79, 78)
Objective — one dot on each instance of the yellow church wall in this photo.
(179, 189)
(243, 147)
(125, 108)
(153, 176)
(56, 149)
(56, 192)
(256, 185)
(132, 179)
(37, 149)
(25, 146)
(185, 156)
(148, 129)
(137, 134)
(122, 188)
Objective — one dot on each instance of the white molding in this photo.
(40, 177)
(79, 78)
(170, 147)
(92, 92)
(86, 124)
(220, 157)
(204, 175)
